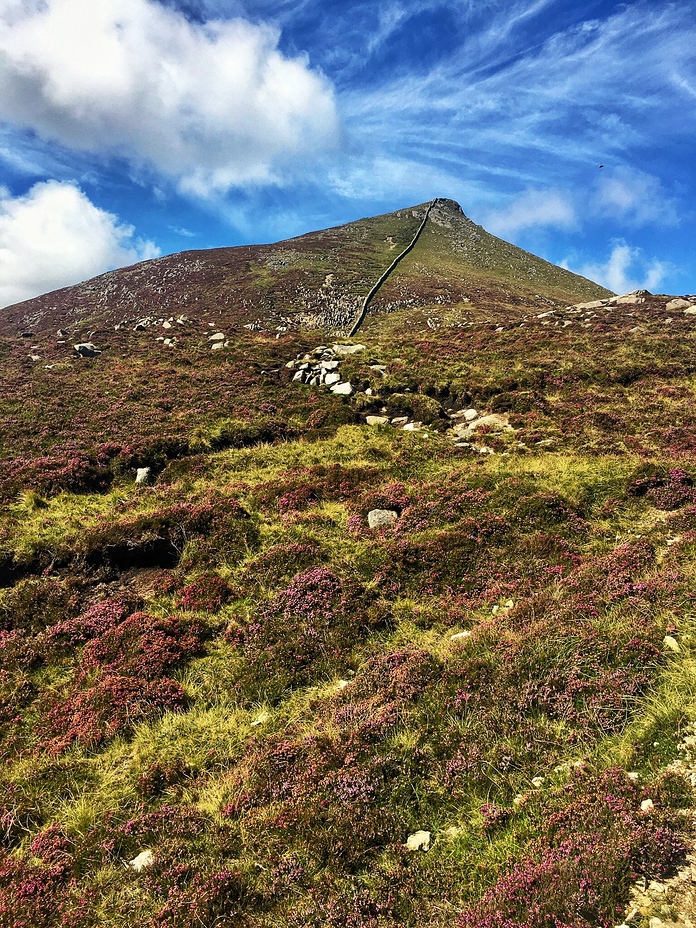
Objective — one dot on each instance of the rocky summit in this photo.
(348, 581)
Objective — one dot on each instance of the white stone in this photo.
(342, 389)
(470, 415)
(329, 365)
(690, 311)
(647, 805)
(412, 426)
(381, 518)
(299, 377)
(671, 644)
(342, 350)
(166, 325)
(377, 420)
(332, 377)
(418, 841)
(217, 345)
(459, 636)
(218, 337)
(87, 350)
(537, 782)
(142, 474)
(144, 860)
(399, 420)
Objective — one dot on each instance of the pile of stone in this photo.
(145, 322)
(320, 367)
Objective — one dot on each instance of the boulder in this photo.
(690, 311)
(677, 303)
(636, 296)
(342, 389)
(418, 841)
(595, 304)
(377, 420)
(332, 377)
(87, 350)
(381, 518)
(329, 365)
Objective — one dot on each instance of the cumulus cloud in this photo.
(213, 105)
(626, 269)
(540, 208)
(54, 236)
(634, 197)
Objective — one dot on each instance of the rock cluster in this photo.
(320, 367)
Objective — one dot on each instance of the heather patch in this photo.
(306, 631)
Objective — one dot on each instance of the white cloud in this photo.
(213, 105)
(540, 208)
(635, 197)
(54, 236)
(626, 269)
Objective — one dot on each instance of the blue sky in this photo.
(132, 128)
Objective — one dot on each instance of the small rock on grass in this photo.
(144, 860)
(381, 518)
(418, 841)
(459, 636)
(377, 420)
(142, 474)
(342, 389)
(671, 644)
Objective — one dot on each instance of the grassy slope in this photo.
(229, 668)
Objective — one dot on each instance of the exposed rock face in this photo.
(381, 518)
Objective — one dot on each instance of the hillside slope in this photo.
(384, 632)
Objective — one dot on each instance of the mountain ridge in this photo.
(283, 281)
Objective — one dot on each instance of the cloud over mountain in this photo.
(212, 105)
(54, 236)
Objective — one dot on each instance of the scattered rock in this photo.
(332, 377)
(142, 474)
(537, 782)
(144, 860)
(459, 636)
(412, 426)
(399, 421)
(671, 644)
(342, 389)
(418, 841)
(218, 337)
(377, 420)
(381, 518)
(647, 805)
(87, 350)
